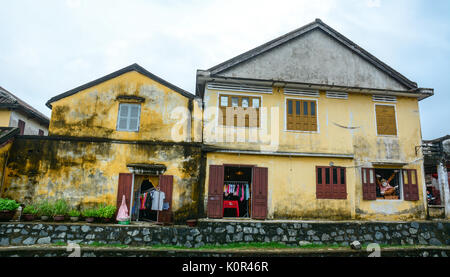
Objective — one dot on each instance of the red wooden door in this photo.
(410, 185)
(166, 186)
(124, 188)
(259, 192)
(215, 191)
(369, 184)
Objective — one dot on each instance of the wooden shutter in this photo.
(124, 188)
(259, 192)
(330, 183)
(21, 126)
(369, 184)
(386, 124)
(166, 186)
(410, 185)
(215, 191)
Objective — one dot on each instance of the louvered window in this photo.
(301, 115)
(386, 123)
(129, 116)
(331, 183)
(239, 111)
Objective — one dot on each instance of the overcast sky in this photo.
(49, 47)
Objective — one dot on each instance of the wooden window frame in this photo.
(128, 118)
(221, 115)
(335, 191)
(301, 109)
(395, 116)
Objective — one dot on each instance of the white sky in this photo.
(49, 47)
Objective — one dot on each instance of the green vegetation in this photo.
(31, 209)
(106, 211)
(74, 213)
(44, 208)
(89, 213)
(60, 207)
(8, 204)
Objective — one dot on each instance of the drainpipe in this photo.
(443, 183)
(3, 173)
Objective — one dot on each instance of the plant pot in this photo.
(44, 218)
(59, 218)
(74, 218)
(28, 217)
(7, 215)
(191, 222)
(89, 219)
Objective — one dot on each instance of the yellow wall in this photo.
(345, 127)
(5, 116)
(93, 112)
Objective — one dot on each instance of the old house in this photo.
(310, 125)
(128, 133)
(15, 112)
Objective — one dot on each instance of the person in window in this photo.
(384, 185)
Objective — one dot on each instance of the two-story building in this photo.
(310, 125)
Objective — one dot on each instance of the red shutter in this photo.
(124, 188)
(341, 186)
(320, 174)
(215, 191)
(259, 192)
(368, 184)
(166, 186)
(410, 185)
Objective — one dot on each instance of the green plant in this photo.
(106, 211)
(8, 204)
(60, 207)
(31, 209)
(44, 208)
(89, 213)
(74, 213)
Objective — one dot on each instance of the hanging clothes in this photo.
(158, 198)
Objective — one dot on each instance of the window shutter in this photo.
(410, 185)
(385, 116)
(21, 126)
(368, 184)
(215, 191)
(259, 192)
(124, 188)
(320, 172)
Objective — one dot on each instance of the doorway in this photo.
(237, 191)
(144, 188)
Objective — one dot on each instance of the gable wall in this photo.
(317, 58)
(93, 112)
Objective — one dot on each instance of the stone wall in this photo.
(222, 232)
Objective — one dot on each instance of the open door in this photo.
(259, 192)
(215, 191)
(166, 186)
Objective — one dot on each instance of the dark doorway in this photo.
(237, 190)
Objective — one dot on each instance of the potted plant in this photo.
(59, 210)
(8, 209)
(89, 215)
(44, 210)
(106, 212)
(30, 212)
(74, 215)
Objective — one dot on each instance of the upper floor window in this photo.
(21, 125)
(128, 119)
(386, 122)
(301, 115)
(239, 111)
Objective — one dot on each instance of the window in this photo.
(21, 125)
(386, 123)
(301, 115)
(128, 119)
(239, 111)
(41, 132)
(331, 183)
(388, 184)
